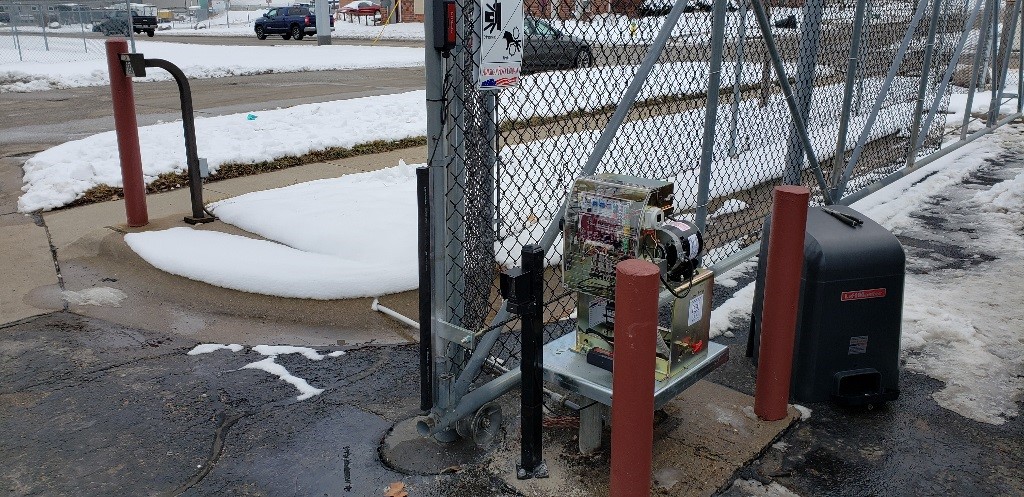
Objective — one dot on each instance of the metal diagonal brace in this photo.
(923, 133)
(901, 53)
(787, 90)
(926, 68)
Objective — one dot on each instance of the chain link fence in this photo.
(52, 32)
(880, 86)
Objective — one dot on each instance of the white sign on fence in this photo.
(501, 43)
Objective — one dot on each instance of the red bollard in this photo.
(636, 326)
(781, 297)
(127, 129)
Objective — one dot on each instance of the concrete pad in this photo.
(27, 265)
(92, 253)
(708, 432)
(167, 303)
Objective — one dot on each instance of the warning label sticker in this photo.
(858, 345)
(696, 310)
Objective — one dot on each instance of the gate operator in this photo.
(848, 337)
(610, 218)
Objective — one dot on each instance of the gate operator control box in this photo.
(610, 218)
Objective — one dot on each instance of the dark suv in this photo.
(546, 48)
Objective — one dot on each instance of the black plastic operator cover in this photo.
(850, 311)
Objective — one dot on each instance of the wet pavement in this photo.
(94, 408)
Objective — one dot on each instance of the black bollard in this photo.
(423, 235)
(523, 288)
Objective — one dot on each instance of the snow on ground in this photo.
(61, 174)
(305, 389)
(271, 366)
(38, 72)
(324, 251)
(260, 266)
(275, 350)
(242, 23)
(206, 348)
(754, 488)
(98, 296)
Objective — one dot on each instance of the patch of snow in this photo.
(99, 296)
(744, 270)
(305, 389)
(730, 206)
(805, 413)
(780, 446)
(336, 353)
(276, 350)
(736, 308)
(206, 348)
(754, 488)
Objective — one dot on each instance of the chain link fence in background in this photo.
(51, 32)
(880, 86)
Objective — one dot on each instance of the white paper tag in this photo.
(694, 246)
(696, 310)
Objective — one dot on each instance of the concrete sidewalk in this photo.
(82, 248)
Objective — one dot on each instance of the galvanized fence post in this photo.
(1020, 63)
(741, 38)
(851, 73)
(941, 91)
(1004, 60)
(883, 92)
(926, 67)
(991, 61)
(810, 35)
(787, 91)
(17, 39)
(979, 54)
(710, 114)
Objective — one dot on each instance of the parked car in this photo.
(546, 48)
(289, 22)
(360, 8)
(117, 23)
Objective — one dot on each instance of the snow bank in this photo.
(59, 175)
(197, 61)
(260, 266)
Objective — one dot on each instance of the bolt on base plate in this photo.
(541, 471)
